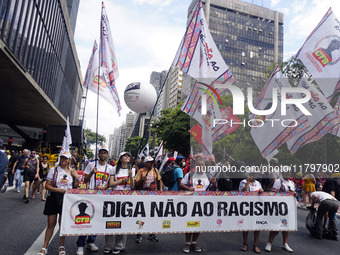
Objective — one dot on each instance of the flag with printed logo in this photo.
(321, 54)
(97, 75)
(199, 57)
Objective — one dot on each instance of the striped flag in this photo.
(267, 137)
(92, 79)
(89, 71)
(108, 59)
(322, 121)
(199, 57)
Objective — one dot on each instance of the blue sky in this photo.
(147, 34)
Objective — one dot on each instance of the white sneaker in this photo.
(268, 247)
(92, 247)
(287, 248)
(80, 251)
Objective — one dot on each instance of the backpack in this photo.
(168, 176)
(337, 188)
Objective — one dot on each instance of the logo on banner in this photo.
(140, 224)
(166, 224)
(113, 224)
(240, 222)
(284, 223)
(219, 223)
(82, 212)
(259, 222)
(193, 224)
(327, 50)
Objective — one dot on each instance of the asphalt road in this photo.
(21, 225)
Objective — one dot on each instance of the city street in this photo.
(23, 228)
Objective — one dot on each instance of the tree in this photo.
(91, 138)
(173, 127)
(131, 145)
(89, 153)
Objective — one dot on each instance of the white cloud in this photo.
(274, 3)
(306, 17)
(153, 2)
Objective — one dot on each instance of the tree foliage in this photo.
(173, 127)
(91, 138)
(131, 145)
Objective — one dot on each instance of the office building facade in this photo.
(39, 66)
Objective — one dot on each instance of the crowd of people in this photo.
(188, 174)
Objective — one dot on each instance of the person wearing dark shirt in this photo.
(19, 170)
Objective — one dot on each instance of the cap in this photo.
(171, 159)
(148, 159)
(103, 148)
(180, 157)
(123, 153)
(65, 154)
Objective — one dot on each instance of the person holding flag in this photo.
(98, 175)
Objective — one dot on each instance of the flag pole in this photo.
(100, 48)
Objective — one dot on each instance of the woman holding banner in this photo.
(283, 184)
(123, 180)
(251, 184)
(198, 180)
(58, 180)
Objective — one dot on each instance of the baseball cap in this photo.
(103, 148)
(148, 159)
(65, 154)
(171, 159)
(180, 157)
(124, 153)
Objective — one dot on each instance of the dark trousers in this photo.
(10, 178)
(330, 206)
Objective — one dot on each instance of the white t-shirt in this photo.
(252, 187)
(123, 173)
(63, 179)
(322, 196)
(287, 185)
(199, 181)
(98, 179)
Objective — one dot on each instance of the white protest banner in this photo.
(95, 212)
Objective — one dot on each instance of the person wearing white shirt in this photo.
(283, 184)
(98, 176)
(251, 184)
(327, 203)
(123, 180)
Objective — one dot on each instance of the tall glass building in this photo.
(249, 38)
(41, 82)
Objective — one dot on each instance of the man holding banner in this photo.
(98, 176)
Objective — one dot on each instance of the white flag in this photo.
(322, 121)
(145, 151)
(270, 135)
(92, 79)
(67, 140)
(321, 54)
(199, 57)
(108, 59)
(160, 152)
